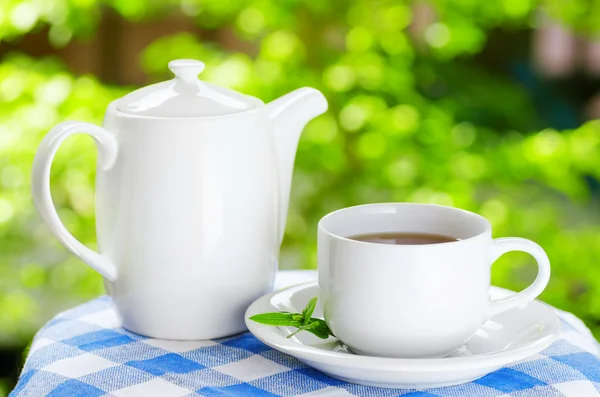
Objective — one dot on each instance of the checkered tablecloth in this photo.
(85, 352)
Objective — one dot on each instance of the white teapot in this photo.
(192, 191)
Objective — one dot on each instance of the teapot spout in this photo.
(290, 113)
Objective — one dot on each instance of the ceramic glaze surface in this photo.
(194, 239)
(507, 338)
(186, 96)
(190, 210)
(387, 300)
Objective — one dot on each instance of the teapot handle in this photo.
(40, 186)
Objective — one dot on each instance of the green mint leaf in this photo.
(319, 328)
(277, 319)
(306, 327)
(304, 321)
(316, 327)
(309, 309)
(318, 333)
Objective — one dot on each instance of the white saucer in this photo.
(505, 339)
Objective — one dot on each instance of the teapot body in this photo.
(188, 215)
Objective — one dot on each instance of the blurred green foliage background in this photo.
(415, 115)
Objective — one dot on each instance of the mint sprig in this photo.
(303, 321)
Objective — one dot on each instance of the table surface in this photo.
(85, 352)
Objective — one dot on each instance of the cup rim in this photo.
(487, 227)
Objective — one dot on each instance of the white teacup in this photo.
(413, 300)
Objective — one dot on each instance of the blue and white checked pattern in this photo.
(85, 352)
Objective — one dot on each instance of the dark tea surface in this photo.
(398, 238)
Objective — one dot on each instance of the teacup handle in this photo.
(504, 245)
(40, 187)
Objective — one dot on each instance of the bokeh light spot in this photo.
(6, 210)
(429, 196)
(233, 72)
(405, 118)
(64, 275)
(437, 35)
(371, 76)
(371, 145)
(9, 135)
(441, 198)
(24, 16)
(60, 35)
(468, 166)
(11, 177)
(339, 78)
(133, 9)
(12, 86)
(359, 39)
(402, 172)
(397, 17)
(494, 210)
(17, 307)
(83, 3)
(517, 8)
(352, 117)
(251, 20)
(84, 88)
(82, 199)
(32, 276)
(323, 129)
(74, 177)
(55, 91)
(282, 45)
(395, 43)
(547, 143)
(268, 71)
(38, 116)
(191, 7)
(463, 134)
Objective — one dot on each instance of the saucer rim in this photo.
(273, 338)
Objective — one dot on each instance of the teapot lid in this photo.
(185, 96)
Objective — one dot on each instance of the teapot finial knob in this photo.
(186, 70)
